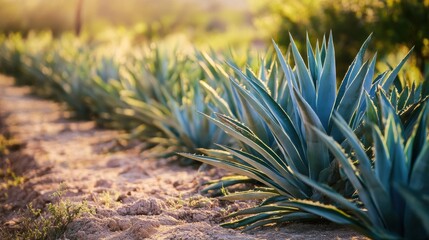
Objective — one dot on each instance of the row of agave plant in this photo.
(356, 154)
(152, 91)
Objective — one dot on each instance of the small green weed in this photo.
(8, 178)
(3, 145)
(107, 198)
(48, 223)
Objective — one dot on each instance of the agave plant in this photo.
(61, 72)
(391, 183)
(223, 94)
(11, 50)
(166, 96)
(106, 84)
(296, 150)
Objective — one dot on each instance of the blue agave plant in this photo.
(296, 150)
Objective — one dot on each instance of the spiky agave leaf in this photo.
(225, 182)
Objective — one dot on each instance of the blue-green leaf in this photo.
(353, 70)
(306, 83)
(327, 86)
(389, 80)
(317, 153)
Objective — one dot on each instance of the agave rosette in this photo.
(296, 149)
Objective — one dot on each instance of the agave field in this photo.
(303, 142)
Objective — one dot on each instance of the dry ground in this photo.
(133, 198)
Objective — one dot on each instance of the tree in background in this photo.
(404, 22)
(78, 19)
(316, 18)
(394, 23)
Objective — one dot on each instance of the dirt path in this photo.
(133, 198)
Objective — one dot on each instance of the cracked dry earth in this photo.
(133, 197)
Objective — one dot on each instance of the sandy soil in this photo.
(133, 197)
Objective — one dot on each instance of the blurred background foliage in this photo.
(397, 24)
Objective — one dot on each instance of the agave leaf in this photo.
(353, 93)
(289, 75)
(283, 92)
(248, 195)
(312, 65)
(318, 54)
(418, 93)
(226, 182)
(410, 115)
(274, 200)
(285, 179)
(262, 74)
(251, 76)
(236, 168)
(370, 74)
(372, 111)
(367, 88)
(418, 137)
(260, 209)
(418, 180)
(353, 70)
(403, 98)
(376, 85)
(306, 84)
(317, 153)
(327, 211)
(182, 121)
(383, 166)
(389, 80)
(216, 153)
(250, 220)
(283, 217)
(417, 205)
(386, 109)
(323, 50)
(395, 146)
(327, 86)
(394, 98)
(274, 79)
(225, 178)
(411, 98)
(267, 215)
